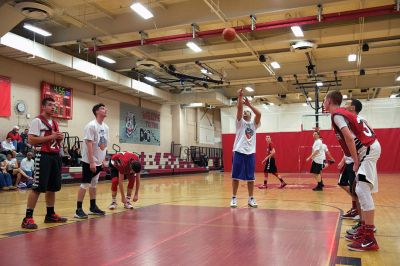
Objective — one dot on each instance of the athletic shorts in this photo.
(47, 174)
(270, 166)
(87, 175)
(347, 176)
(368, 159)
(316, 168)
(243, 166)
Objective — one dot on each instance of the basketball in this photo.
(229, 34)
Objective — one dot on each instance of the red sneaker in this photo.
(358, 235)
(262, 186)
(368, 244)
(55, 218)
(28, 223)
(283, 184)
(351, 214)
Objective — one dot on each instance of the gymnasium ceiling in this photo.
(78, 25)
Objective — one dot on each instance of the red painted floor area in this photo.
(182, 235)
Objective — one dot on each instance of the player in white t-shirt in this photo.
(94, 151)
(244, 149)
(317, 157)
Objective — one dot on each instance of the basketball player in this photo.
(93, 156)
(270, 165)
(358, 140)
(244, 148)
(124, 164)
(317, 157)
(326, 152)
(46, 137)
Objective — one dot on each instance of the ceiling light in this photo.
(275, 65)
(319, 84)
(344, 96)
(309, 98)
(271, 104)
(297, 31)
(398, 77)
(106, 59)
(151, 79)
(196, 105)
(205, 71)
(249, 89)
(305, 104)
(302, 45)
(37, 30)
(352, 57)
(142, 11)
(194, 47)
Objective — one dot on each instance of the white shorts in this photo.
(368, 157)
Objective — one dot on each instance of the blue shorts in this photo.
(243, 166)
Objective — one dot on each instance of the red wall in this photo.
(292, 148)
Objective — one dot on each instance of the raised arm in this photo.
(257, 113)
(239, 113)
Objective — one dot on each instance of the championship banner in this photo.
(5, 96)
(138, 125)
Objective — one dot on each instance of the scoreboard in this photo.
(63, 98)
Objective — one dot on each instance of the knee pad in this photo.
(364, 195)
(114, 184)
(85, 185)
(95, 180)
(131, 181)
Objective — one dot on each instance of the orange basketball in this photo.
(229, 34)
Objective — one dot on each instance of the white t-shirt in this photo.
(37, 127)
(324, 149)
(27, 165)
(98, 134)
(342, 122)
(8, 146)
(318, 146)
(11, 164)
(245, 141)
(348, 160)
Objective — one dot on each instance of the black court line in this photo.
(15, 233)
(348, 261)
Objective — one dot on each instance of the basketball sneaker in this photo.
(351, 214)
(128, 205)
(233, 202)
(318, 188)
(263, 186)
(54, 218)
(283, 184)
(353, 230)
(96, 211)
(113, 206)
(252, 203)
(28, 223)
(367, 243)
(80, 214)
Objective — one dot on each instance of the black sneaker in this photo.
(80, 214)
(96, 211)
(54, 218)
(318, 188)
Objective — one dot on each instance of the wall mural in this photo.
(138, 125)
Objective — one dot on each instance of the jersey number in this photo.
(367, 131)
(54, 145)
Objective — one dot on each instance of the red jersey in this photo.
(364, 135)
(122, 161)
(52, 146)
(270, 147)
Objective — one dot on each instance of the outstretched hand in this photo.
(240, 92)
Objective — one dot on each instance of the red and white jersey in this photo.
(122, 161)
(363, 134)
(270, 147)
(42, 127)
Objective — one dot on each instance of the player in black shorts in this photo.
(270, 165)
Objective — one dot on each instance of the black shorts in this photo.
(347, 176)
(316, 168)
(47, 172)
(113, 170)
(270, 166)
(87, 175)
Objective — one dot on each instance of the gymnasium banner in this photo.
(5, 96)
(138, 125)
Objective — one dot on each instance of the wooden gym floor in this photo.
(186, 220)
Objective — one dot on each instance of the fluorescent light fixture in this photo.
(37, 30)
(309, 98)
(275, 65)
(297, 31)
(106, 59)
(305, 104)
(142, 11)
(393, 96)
(151, 79)
(194, 47)
(249, 89)
(320, 84)
(196, 105)
(344, 96)
(205, 71)
(271, 104)
(352, 57)
(303, 45)
(398, 78)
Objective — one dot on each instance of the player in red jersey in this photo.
(270, 164)
(359, 141)
(45, 135)
(124, 164)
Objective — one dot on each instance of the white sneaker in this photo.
(21, 185)
(128, 205)
(252, 203)
(112, 206)
(233, 202)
